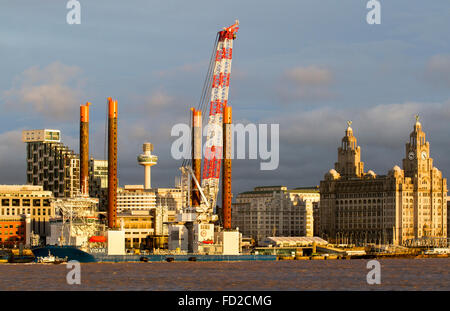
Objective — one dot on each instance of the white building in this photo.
(275, 211)
(146, 212)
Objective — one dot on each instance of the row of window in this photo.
(25, 202)
(14, 212)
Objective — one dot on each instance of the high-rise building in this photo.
(409, 203)
(275, 211)
(51, 164)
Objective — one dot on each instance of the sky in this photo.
(306, 65)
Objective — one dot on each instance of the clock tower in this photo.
(417, 162)
(349, 163)
(427, 187)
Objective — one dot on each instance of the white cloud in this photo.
(311, 75)
(311, 83)
(437, 69)
(53, 91)
(384, 125)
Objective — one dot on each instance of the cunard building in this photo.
(363, 207)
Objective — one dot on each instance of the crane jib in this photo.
(219, 83)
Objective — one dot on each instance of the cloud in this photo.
(310, 75)
(437, 70)
(185, 68)
(158, 100)
(12, 158)
(309, 83)
(53, 91)
(309, 139)
(382, 125)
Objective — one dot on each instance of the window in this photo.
(5, 202)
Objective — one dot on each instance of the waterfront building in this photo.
(18, 201)
(146, 212)
(50, 163)
(292, 241)
(275, 211)
(409, 203)
(448, 216)
(15, 230)
(136, 209)
(138, 225)
(316, 218)
(170, 200)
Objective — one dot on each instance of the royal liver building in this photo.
(409, 203)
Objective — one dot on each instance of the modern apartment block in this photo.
(50, 163)
(27, 201)
(275, 211)
(405, 204)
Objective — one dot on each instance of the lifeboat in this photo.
(97, 239)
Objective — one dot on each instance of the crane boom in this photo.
(219, 97)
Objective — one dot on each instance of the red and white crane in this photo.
(220, 83)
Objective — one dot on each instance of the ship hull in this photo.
(73, 253)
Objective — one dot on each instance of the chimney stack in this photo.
(112, 163)
(226, 172)
(196, 154)
(84, 149)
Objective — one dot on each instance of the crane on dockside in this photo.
(215, 96)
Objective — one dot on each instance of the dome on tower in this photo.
(396, 171)
(371, 174)
(332, 174)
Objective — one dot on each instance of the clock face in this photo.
(411, 155)
(424, 155)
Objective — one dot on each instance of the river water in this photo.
(396, 274)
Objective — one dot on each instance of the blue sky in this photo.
(307, 65)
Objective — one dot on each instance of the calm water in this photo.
(396, 274)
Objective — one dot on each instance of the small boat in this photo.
(4, 257)
(51, 259)
(20, 259)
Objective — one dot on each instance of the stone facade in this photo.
(409, 203)
(28, 201)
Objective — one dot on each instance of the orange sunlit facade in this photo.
(12, 230)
